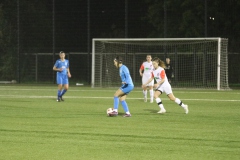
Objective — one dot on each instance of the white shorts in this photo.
(165, 87)
(145, 79)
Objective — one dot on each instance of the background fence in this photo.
(33, 32)
(37, 68)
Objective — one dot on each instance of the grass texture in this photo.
(34, 126)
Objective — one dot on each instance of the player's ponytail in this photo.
(160, 62)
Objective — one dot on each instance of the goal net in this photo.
(197, 62)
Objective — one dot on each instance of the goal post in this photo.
(197, 62)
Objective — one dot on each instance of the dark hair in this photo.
(61, 52)
(160, 62)
(118, 59)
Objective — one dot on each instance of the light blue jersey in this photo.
(125, 75)
(127, 87)
(62, 77)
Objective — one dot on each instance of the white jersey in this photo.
(147, 68)
(158, 75)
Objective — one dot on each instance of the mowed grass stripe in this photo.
(136, 89)
(34, 126)
(84, 97)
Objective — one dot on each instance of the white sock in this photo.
(179, 102)
(159, 102)
(115, 110)
(145, 93)
(128, 112)
(151, 94)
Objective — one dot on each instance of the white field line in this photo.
(83, 97)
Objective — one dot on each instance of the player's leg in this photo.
(116, 96)
(64, 90)
(127, 89)
(121, 93)
(65, 87)
(145, 94)
(125, 106)
(151, 91)
(157, 93)
(179, 102)
(60, 85)
(144, 80)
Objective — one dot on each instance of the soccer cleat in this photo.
(114, 113)
(58, 100)
(127, 115)
(162, 111)
(186, 109)
(61, 98)
(145, 99)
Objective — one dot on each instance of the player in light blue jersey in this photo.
(63, 72)
(127, 86)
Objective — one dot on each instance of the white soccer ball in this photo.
(109, 110)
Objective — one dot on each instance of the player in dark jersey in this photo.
(169, 70)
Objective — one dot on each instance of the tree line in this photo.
(27, 26)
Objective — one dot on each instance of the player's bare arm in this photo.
(69, 74)
(57, 69)
(159, 83)
(140, 72)
(144, 85)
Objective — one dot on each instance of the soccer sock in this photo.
(159, 102)
(179, 102)
(151, 94)
(115, 104)
(63, 92)
(145, 93)
(59, 93)
(125, 106)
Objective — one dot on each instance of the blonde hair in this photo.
(160, 62)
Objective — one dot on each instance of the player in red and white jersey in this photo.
(145, 72)
(162, 85)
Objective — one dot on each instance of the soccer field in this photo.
(34, 126)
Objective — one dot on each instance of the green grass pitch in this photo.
(34, 126)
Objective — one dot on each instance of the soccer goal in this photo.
(197, 62)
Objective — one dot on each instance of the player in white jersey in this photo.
(162, 85)
(146, 73)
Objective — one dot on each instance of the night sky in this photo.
(32, 28)
(71, 21)
(76, 22)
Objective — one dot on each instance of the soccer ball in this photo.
(109, 110)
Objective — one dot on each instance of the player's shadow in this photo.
(120, 113)
(151, 110)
